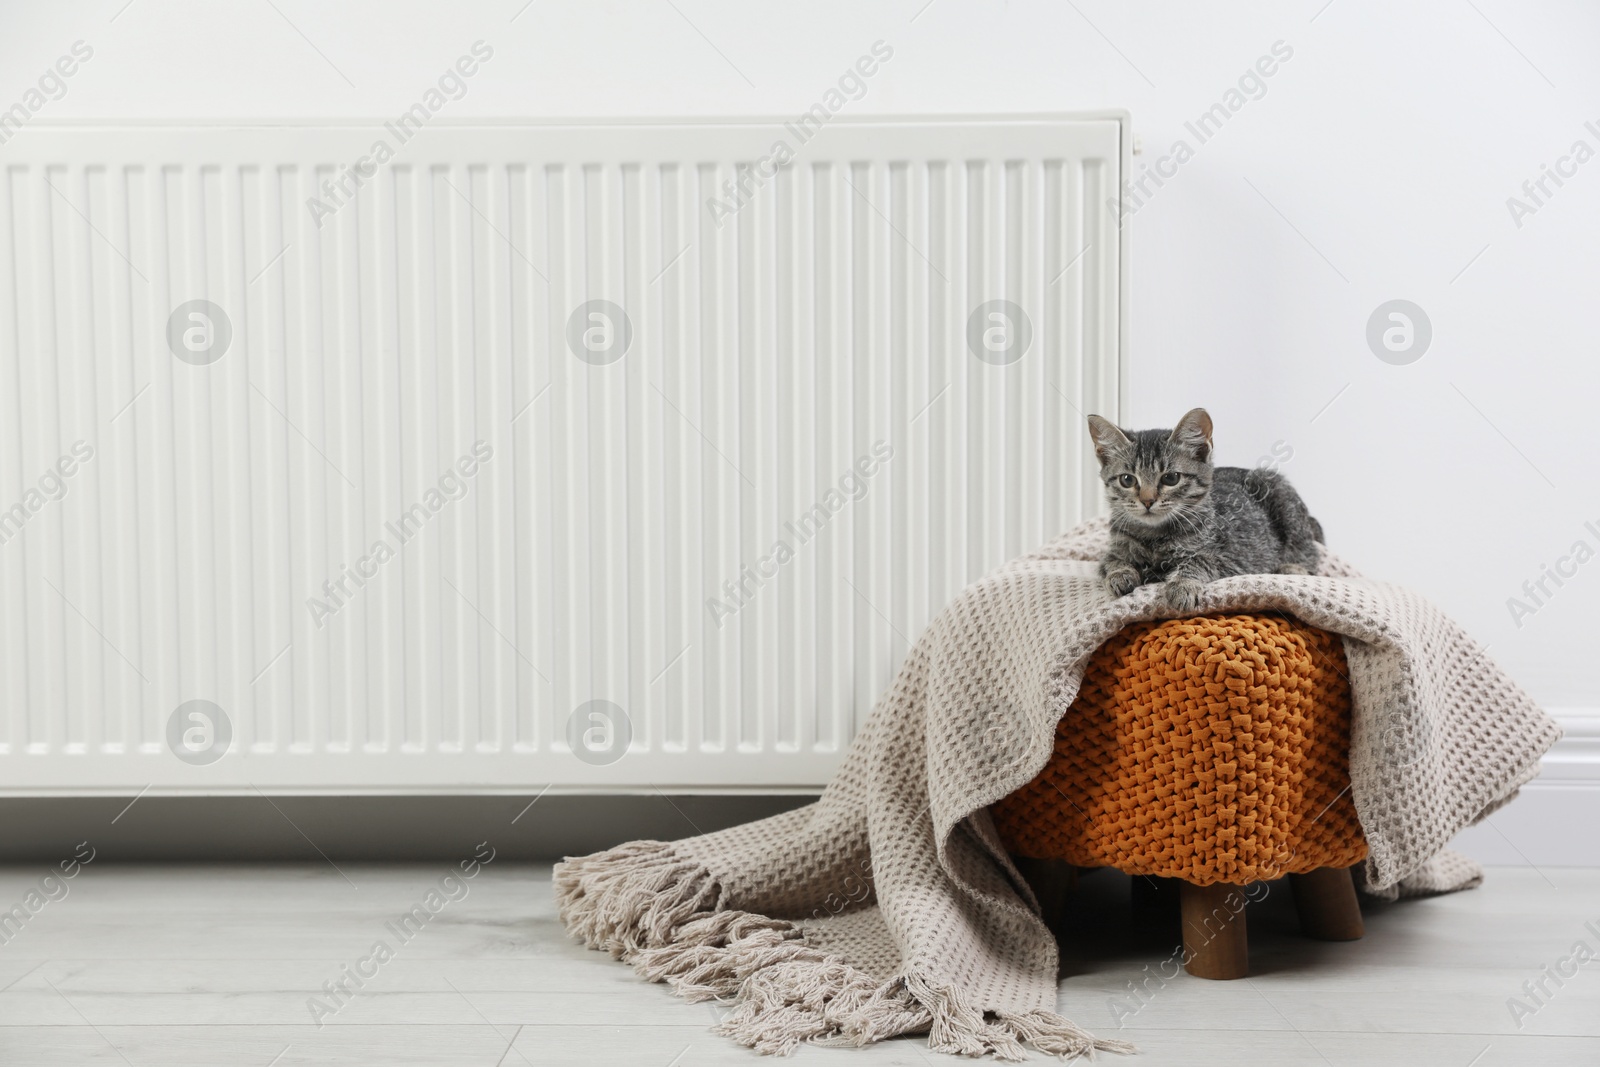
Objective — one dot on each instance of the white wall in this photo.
(1376, 166)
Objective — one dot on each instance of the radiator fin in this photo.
(603, 552)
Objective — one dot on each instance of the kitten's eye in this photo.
(1171, 478)
(1127, 481)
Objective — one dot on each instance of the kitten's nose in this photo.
(1148, 500)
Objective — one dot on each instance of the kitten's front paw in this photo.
(1122, 581)
(1292, 568)
(1184, 593)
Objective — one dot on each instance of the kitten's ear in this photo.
(1107, 438)
(1193, 432)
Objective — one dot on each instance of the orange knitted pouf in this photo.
(1214, 750)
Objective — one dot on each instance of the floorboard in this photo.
(218, 965)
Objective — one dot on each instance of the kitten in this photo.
(1177, 519)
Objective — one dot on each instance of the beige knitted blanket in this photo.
(888, 906)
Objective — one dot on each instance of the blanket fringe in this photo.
(1059, 1036)
(660, 912)
(632, 896)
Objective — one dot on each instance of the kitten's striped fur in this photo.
(1177, 519)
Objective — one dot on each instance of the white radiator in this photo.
(324, 473)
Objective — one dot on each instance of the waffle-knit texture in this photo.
(1208, 749)
(889, 906)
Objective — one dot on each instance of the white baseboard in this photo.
(1556, 820)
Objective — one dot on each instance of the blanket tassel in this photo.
(659, 912)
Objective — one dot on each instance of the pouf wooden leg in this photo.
(1215, 942)
(1326, 901)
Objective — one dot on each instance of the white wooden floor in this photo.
(179, 965)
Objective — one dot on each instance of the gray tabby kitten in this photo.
(1177, 519)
